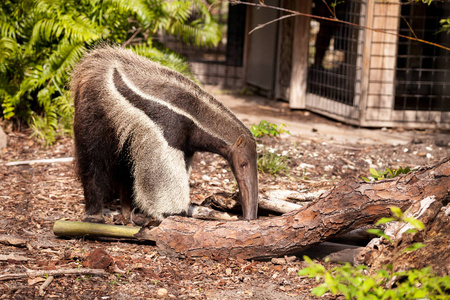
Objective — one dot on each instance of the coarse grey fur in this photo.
(147, 120)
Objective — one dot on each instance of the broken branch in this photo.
(59, 272)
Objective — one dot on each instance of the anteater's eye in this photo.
(243, 165)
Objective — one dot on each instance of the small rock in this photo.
(290, 259)
(306, 166)
(442, 143)
(328, 168)
(421, 154)
(278, 261)
(162, 293)
(99, 259)
(206, 178)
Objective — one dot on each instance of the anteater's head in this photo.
(243, 161)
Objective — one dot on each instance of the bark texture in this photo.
(348, 206)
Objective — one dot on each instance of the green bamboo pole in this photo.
(79, 229)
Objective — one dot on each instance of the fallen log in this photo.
(346, 207)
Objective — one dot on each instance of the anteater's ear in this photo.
(240, 142)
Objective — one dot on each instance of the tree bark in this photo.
(348, 206)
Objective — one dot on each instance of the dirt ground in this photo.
(320, 153)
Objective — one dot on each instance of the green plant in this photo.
(357, 283)
(41, 40)
(272, 163)
(117, 280)
(414, 225)
(388, 173)
(354, 283)
(269, 129)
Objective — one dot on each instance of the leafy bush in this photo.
(41, 40)
(269, 129)
(357, 283)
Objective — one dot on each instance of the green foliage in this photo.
(445, 25)
(444, 22)
(269, 129)
(272, 163)
(41, 40)
(355, 283)
(358, 283)
(414, 225)
(388, 173)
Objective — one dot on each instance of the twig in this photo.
(409, 26)
(58, 272)
(348, 162)
(13, 240)
(132, 37)
(279, 206)
(40, 161)
(296, 13)
(45, 285)
(333, 12)
(270, 22)
(15, 257)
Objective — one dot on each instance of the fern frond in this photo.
(144, 14)
(8, 47)
(79, 28)
(7, 29)
(202, 31)
(197, 33)
(165, 57)
(58, 65)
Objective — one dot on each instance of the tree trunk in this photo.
(348, 206)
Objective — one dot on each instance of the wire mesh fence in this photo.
(220, 65)
(423, 71)
(333, 52)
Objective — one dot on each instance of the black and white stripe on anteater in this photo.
(137, 126)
